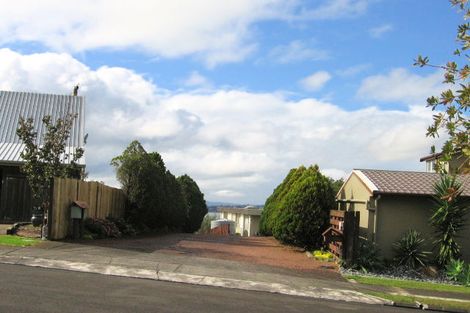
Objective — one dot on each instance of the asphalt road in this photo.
(28, 289)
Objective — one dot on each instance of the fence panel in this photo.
(103, 201)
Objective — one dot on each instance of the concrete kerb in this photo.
(115, 270)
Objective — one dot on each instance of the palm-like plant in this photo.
(448, 218)
(409, 250)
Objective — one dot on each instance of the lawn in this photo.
(411, 284)
(435, 303)
(16, 241)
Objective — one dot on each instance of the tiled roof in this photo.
(35, 105)
(404, 182)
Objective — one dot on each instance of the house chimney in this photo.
(75, 90)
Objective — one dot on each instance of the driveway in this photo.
(261, 251)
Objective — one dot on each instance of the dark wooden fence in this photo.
(342, 236)
(103, 201)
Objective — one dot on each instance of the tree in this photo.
(157, 198)
(451, 106)
(196, 207)
(298, 210)
(448, 218)
(46, 158)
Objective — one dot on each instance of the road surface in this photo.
(29, 289)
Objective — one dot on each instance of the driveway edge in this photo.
(113, 270)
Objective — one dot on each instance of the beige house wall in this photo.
(245, 225)
(355, 189)
(397, 214)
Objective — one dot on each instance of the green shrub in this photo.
(409, 250)
(100, 228)
(298, 210)
(366, 259)
(206, 224)
(124, 227)
(448, 218)
(458, 271)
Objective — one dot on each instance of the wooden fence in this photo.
(102, 200)
(223, 229)
(343, 235)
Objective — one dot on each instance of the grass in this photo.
(411, 284)
(16, 241)
(436, 303)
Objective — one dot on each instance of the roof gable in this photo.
(36, 105)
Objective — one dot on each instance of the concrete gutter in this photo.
(167, 276)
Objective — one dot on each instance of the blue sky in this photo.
(236, 93)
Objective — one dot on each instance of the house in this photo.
(15, 195)
(246, 219)
(391, 202)
(458, 164)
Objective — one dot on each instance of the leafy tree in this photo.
(451, 106)
(196, 207)
(142, 176)
(297, 212)
(46, 157)
(157, 198)
(448, 218)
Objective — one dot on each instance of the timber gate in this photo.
(342, 236)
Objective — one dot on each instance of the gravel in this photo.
(401, 272)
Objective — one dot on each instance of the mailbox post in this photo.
(77, 214)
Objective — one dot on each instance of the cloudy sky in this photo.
(237, 92)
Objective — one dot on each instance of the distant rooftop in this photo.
(405, 182)
(248, 210)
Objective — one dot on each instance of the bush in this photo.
(448, 218)
(409, 250)
(100, 228)
(458, 271)
(297, 212)
(124, 227)
(366, 259)
(206, 224)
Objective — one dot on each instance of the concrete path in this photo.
(170, 267)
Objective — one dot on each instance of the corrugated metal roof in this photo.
(407, 183)
(14, 104)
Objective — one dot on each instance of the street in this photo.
(29, 289)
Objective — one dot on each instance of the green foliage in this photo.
(409, 250)
(451, 106)
(367, 257)
(297, 211)
(101, 228)
(124, 227)
(49, 159)
(196, 207)
(458, 271)
(448, 218)
(206, 224)
(156, 198)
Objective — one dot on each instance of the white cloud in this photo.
(316, 81)
(212, 30)
(379, 31)
(196, 80)
(228, 194)
(296, 51)
(400, 85)
(353, 70)
(235, 144)
(334, 9)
